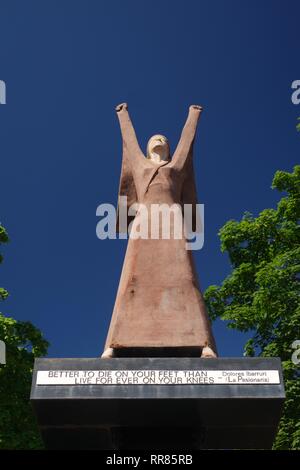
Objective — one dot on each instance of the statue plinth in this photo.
(158, 403)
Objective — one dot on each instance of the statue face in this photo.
(158, 149)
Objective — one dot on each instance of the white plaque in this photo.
(157, 377)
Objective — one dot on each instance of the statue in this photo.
(159, 306)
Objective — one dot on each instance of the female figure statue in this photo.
(159, 309)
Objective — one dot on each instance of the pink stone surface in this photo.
(159, 302)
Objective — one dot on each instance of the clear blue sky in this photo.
(66, 64)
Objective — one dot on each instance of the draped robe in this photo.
(159, 303)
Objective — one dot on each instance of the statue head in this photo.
(158, 149)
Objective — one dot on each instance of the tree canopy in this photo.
(24, 342)
(261, 294)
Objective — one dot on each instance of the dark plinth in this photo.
(152, 416)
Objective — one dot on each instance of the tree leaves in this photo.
(262, 292)
(24, 342)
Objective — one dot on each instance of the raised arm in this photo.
(184, 148)
(130, 142)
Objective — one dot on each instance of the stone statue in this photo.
(159, 307)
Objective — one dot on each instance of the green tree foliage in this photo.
(24, 342)
(261, 295)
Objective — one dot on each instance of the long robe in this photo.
(158, 303)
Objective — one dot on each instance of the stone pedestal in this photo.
(158, 403)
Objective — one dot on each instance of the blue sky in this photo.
(66, 65)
